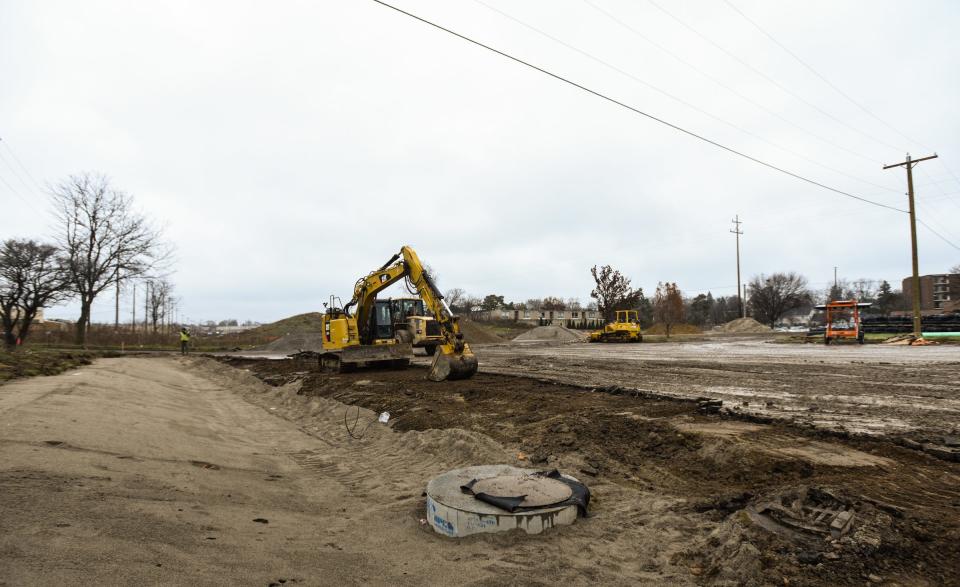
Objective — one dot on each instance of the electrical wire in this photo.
(824, 80)
(19, 195)
(757, 71)
(636, 110)
(940, 236)
(745, 98)
(352, 429)
(22, 166)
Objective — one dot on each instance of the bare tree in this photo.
(668, 305)
(574, 304)
(31, 278)
(159, 298)
(613, 291)
(552, 303)
(454, 298)
(955, 269)
(772, 297)
(103, 239)
(472, 306)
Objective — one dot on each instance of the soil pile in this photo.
(549, 333)
(474, 333)
(298, 341)
(742, 326)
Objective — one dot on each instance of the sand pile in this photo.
(742, 326)
(550, 334)
(298, 341)
(474, 333)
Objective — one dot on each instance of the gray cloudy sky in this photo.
(290, 147)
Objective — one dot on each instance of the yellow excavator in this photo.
(367, 336)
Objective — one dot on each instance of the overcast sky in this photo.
(290, 147)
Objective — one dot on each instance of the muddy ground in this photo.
(757, 500)
(874, 389)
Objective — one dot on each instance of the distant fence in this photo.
(903, 324)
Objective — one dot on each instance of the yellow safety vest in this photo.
(184, 337)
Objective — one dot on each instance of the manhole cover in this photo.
(539, 491)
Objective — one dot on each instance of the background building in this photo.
(938, 293)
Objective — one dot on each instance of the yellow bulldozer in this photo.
(626, 328)
(368, 335)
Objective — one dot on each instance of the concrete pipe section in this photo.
(453, 512)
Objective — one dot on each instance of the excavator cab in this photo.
(381, 322)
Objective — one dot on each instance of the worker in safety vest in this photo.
(184, 340)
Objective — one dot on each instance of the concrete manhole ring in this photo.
(456, 513)
(539, 491)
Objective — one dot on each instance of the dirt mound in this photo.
(742, 326)
(476, 334)
(309, 322)
(549, 333)
(291, 343)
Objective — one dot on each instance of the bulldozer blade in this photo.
(452, 366)
(371, 354)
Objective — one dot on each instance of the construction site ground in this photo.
(265, 471)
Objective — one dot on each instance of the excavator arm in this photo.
(454, 359)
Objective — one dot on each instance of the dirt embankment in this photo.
(757, 500)
(549, 334)
(475, 333)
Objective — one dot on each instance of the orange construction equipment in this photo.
(843, 320)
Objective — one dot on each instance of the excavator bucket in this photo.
(450, 365)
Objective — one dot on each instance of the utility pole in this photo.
(741, 308)
(909, 164)
(116, 315)
(133, 318)
(146, 307)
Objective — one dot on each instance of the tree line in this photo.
(769, 298)
(100, 241)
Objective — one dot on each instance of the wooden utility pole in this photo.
(909, 163)
(741, 308)
(116, 316)
(133, 318)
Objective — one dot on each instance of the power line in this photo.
(22, 166)
(760, 73)
(740, 95)
(19, 195)
(13, 171)
(940, 236)
(696, 108)
(824, 79)
(635, 110)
